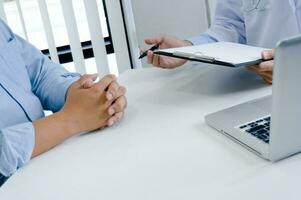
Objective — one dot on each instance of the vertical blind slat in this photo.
(2, 11)
(96, 33)
(131, 33)
(118, 35)
(48, 30)
(20, 11)
(208, 13)
(73, 35)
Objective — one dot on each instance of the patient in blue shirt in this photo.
(31, 83)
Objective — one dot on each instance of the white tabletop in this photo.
(162, 149)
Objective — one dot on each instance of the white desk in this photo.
(162, 149)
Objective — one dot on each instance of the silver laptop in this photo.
(270, 126)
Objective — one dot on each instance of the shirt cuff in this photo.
(65, 82)
(202, 39)
(16, 147)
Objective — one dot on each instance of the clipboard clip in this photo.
(195, 55)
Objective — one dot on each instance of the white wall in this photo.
(181, 18)
(212, 4)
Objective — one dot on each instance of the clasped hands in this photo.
(90, 106)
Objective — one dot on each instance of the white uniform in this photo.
(255, 22)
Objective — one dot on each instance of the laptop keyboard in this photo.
(259, 128)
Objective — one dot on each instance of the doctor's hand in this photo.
(165, 42)
(265, 69)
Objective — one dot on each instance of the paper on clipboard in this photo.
(221, 53)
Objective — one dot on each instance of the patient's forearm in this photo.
(85, 110)
(51, 131)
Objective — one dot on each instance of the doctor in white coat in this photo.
(254, 22)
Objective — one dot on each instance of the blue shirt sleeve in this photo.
(50, 81)
(16, 146)
(228, 25)
(203, 39)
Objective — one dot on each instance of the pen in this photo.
(151, 49)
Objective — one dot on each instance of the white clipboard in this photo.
(219, 53)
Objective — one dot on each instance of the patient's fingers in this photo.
(104, 83)
(116, 118)
(88, 80)
(119, 105)
(112, 91)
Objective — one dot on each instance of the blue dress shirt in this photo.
(29, 84)
(254, 22)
